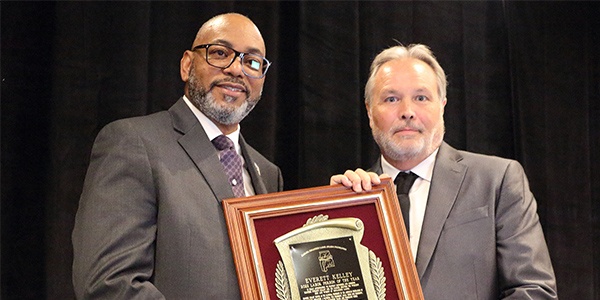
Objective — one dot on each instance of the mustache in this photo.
(231, 80)
(406, 125)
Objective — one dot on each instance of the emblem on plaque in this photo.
(324, 259)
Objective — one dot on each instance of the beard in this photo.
(224, 114)
(402, 148)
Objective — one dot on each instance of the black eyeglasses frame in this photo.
(266, 62)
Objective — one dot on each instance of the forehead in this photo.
(406, 72)
(235, 31)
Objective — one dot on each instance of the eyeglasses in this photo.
(220, 56)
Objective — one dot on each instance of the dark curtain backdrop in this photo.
(524, 83)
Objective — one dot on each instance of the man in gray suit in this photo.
(474, 230)
(150, 223)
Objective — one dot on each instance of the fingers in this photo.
(375, 179)
(359, 180)
(384, 175)
(340, 179)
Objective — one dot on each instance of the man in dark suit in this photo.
(473, 227)
(150, 224)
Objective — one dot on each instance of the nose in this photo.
(235, 69)
(406, 111)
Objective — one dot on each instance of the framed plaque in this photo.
(322, 243)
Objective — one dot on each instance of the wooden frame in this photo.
(255, 222)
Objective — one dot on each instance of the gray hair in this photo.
(417, 51)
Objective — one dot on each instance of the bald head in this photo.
(229, 24)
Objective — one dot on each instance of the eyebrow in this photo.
(422, 90)
(397, 92)
(228, 44)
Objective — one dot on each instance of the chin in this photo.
(411, 148)
(231, 100)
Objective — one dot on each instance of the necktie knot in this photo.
(222, 142)
(404, 181)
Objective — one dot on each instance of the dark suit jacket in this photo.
(150, 222)
(481, 236)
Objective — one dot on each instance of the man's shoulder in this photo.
(485, 167)
(148, 123)
(143, 123)
(475, 156)
(478, 160)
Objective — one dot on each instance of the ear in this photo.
(444, 105)
(369, 114)
(185, 65)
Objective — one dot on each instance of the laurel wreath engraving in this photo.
(282, 285)
(377, 275)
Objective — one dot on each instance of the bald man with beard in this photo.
(150, 224)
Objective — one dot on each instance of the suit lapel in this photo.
(448, 175)
(253, 169)
(201, 151)
(376, 167)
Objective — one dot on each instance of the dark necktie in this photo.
(403, 183)
(232, 164)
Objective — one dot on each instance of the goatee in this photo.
(207, 104)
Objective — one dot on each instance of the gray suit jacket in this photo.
(150, 223)
(481, 236)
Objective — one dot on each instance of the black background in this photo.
(524, 83)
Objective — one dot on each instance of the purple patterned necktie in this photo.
(403, 183)
(232, 164)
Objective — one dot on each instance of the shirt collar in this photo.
(424, 169)
(212, 131)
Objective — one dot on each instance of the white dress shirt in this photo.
(212, 131)
(418, 195)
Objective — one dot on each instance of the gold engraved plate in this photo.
(324, 260)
